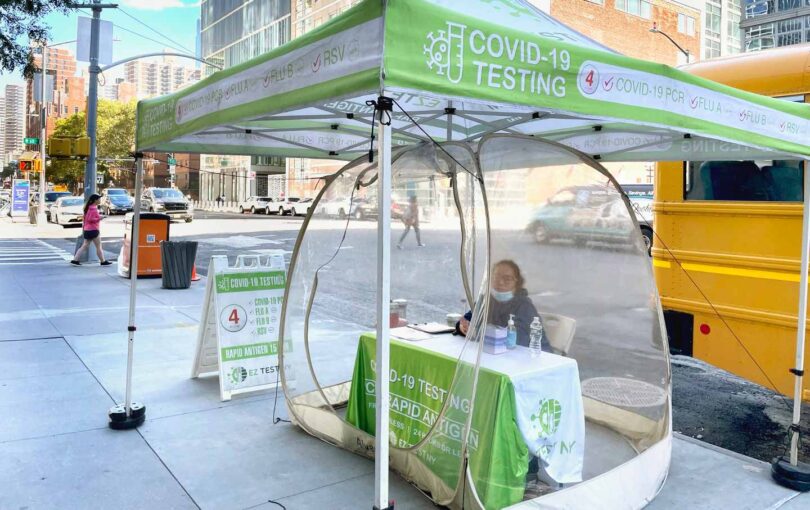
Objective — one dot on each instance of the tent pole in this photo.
(384, 108)
(130, 414)
(789, 471)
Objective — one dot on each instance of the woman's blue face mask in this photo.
(503, 297)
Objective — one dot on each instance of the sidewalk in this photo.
(62, 366)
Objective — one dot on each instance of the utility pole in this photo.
(43, 120)
(92, 96)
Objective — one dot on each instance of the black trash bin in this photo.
(177, 259)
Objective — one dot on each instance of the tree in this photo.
(115, 140)
(64, 171)
(20, 18)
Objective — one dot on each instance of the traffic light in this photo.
(26, 165)
(81, 146)
(69, 147)
(37, 165)
(59, 147)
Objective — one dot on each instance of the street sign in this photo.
(172, 161)
(105, 40)
(30, 140)
(100, 179)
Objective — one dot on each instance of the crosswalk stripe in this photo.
(30, 251)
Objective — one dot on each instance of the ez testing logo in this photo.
(445, 51)
(238, 375)
(547, 420)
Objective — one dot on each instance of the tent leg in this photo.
(789, 471)
(130, 415)
(383, 305)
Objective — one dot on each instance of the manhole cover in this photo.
(623, 392)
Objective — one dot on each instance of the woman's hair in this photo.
(514, 267)
(92, 198)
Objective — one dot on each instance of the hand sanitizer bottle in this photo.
(511, 333)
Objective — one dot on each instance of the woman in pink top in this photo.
(90, 231)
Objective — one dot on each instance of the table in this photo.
(522, 406)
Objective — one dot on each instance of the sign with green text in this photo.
(239, 329)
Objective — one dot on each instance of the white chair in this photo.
(559, 331)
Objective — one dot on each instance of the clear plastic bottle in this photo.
(536, 337)
(511, 333)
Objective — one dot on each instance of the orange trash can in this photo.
(154, 229)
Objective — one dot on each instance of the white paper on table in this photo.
(406, 333)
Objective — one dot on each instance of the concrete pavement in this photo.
(62, 365)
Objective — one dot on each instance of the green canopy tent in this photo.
(419, 72)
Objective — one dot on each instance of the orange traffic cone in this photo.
(194, 276)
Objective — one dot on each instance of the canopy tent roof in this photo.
(461, 69)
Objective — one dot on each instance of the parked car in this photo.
(257, 205)
(68, 210)
(167, 201)
(359, 208)
(50, 199)
(584, 213)
(116, 201)
(294, 206)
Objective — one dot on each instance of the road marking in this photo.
(30, 251)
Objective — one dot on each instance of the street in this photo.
(708, 404)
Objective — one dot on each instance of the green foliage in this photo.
(21, 19)
(116, 138)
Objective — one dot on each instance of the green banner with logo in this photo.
(420, 383)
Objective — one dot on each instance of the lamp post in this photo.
(655, 30)
(43, 121)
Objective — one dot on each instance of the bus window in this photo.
(749, 181)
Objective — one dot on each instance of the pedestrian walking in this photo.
(90, 231)
(219, 201)
(411, 219)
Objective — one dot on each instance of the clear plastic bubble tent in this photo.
(499, 123)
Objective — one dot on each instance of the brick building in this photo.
(624, 26)
(68, 95)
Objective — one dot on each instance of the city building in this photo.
(624, 25)
(722, 34)
(3, 160)
(770, 24)
(14, 114)
(151, 78)
(66, 95)
(232, 32)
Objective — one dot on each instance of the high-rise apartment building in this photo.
(66, 97)
(774, 23)
(14, 120)
(3, 160)
(232, 32)
(152, 78)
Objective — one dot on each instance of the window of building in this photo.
(686, 24)
(641, 8)
(712, 49)
(75, 109)
(733, 31)
(784, 5)
(754, 8)
(749, 181)
(712, 20)
(789, 32)
(760, 37)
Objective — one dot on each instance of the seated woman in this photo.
(508, 297)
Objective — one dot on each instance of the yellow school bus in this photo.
(727, 252)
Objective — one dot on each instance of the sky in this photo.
(177, 19)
